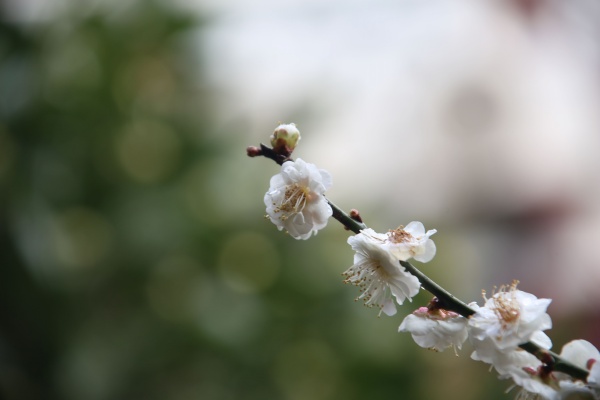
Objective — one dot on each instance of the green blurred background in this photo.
(135, 259)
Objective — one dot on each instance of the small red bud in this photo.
(253, 151)
(355, 215)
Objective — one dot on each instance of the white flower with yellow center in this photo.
(509, 318)
(412, 242)
(295, 200)
(378, 274)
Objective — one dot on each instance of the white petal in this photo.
(389, 308)
(579, 351)
(541, 339)
(326, 179)
(594, 377)
(429, 252)
(435, 333)
(415, 228)
(406, 286)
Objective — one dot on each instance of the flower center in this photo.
(399, 235)
(294, 200)
(506, 305)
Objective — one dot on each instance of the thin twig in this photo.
(447, 300)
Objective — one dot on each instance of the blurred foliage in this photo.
(135, 263)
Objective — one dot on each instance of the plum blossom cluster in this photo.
(376, 269)
(506, 332)
(506, 320)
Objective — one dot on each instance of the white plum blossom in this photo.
(295, 200)
(378, 274)
(435, 328)
(585, 355)
(509, 318)
(412, 242)
(486, 350)
(527, 372)
(517, 364)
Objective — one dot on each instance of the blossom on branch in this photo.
(509, 318)
(526, 370)
(412, 242)
(530, 374)
(585, 355)
(435, 328)
(581, 353)
(506, 332)
(295, 200)
(378, 274)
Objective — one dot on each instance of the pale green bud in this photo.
(285, 138)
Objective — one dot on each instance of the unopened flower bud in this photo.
(355, 215)
(285, 138)
(253, 151)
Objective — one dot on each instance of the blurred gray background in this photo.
(135, 258)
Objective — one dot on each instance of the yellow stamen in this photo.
(399, 235)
